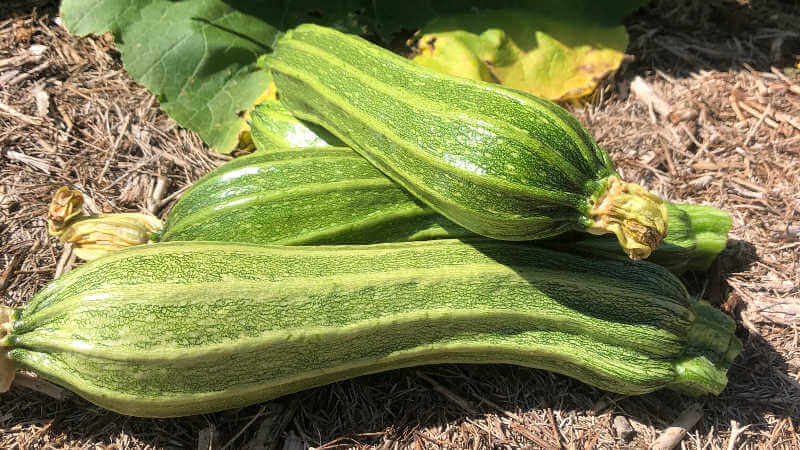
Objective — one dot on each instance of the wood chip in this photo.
(37, 384)
(208, 439)
(673, 435)
(623, 428)
(647, 95)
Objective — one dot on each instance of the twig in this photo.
(245, 427)
(65, 261)
(556, 436)
(112, 151)
(458, 400)
(775, 432)
(156, 196)
(30, 120)
(751, 133)
(172, 196)
(747, 106)
(735, 432)
(733, 98)
(25, 75)
(274, 422)
(35, 383)
(30, 160)
(12, 265)
(17, 61)
(673, 435)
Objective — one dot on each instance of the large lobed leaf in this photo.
(199, 56)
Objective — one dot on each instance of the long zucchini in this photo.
(331, 195)
(191, 327)
(322, 194)
(499, 162)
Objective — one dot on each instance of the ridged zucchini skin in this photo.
(185, 328)
(499, 162)
(301, 196)
(272, 125)
(331, 195)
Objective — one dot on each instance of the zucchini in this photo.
(184, 328)
(331, 195)
(697, 234)
(301, 196)
(499, 162)
(710, 227)
(273, 125)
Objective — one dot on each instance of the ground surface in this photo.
(727, 134)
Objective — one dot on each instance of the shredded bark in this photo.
(717, 124)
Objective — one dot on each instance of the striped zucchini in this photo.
(301, 196)
(697, 234)
(499, 162)
(331, 195)
(273, 125)
(184, 328)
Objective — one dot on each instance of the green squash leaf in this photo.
(198, 56)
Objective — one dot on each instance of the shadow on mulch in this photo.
(686, 37)
(388, 405)
(14, 8)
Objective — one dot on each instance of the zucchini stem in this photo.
(710, 228)
(7, 369)
(635, 215)
(711, 347)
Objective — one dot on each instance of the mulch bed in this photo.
(721, 126)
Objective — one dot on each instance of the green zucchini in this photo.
(331, 195)
(301, 196)
(185, 328)
(710, 227)
(499, 162)
(272, 125)
(696, 235)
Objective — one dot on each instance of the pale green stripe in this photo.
(285, 193)
(533, 192)
(500, 89)
(406, 96)
(639, 337)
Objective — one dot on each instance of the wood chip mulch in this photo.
(707, 111)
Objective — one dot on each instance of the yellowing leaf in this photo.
(245, 142)
(554, 56)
